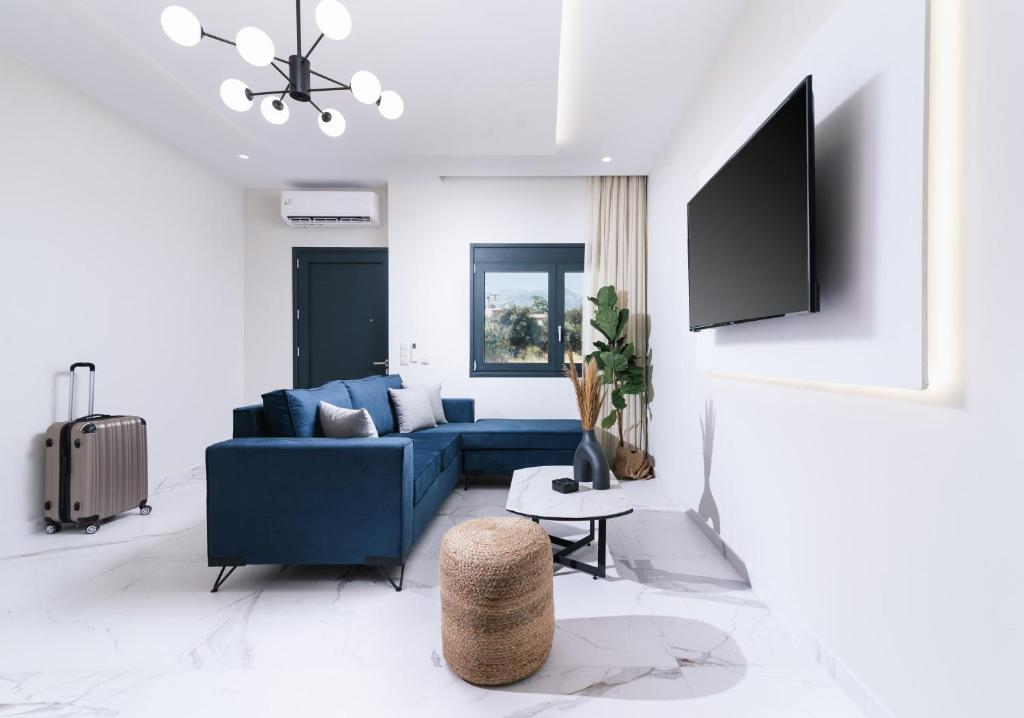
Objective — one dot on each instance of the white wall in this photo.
(887, 522)
(116, 250)
(268, 284)
(432, 226)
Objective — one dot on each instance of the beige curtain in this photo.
(617, 254)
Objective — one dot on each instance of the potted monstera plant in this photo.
(621, 371)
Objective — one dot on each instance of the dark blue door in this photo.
(341, 314)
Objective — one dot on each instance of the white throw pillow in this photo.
(434, 394)
(340, 423)
(412, 408)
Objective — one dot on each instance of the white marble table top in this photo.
(531, 495)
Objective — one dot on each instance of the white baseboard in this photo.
(862, 696)
(713, 536)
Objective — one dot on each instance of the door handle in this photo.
(383, 364)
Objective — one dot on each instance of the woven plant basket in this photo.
(497, 610)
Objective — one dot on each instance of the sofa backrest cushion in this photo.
(293, 412)
(249, 422)
(371, 394)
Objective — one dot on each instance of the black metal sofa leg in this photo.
(222, 577)
(401, 577)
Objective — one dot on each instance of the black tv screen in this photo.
(751, 227)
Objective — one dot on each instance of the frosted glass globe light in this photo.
(333, 19)
(391, 105)
(181, 25)
(365, 87)
(235, 95)
(255, 46)
(334, 127)
(271, 114)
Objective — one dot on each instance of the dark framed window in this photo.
(526, 308)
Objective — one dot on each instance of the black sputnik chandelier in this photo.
(256, 48)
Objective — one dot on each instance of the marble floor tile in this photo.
(122, 624)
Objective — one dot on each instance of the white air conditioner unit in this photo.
(331, 209)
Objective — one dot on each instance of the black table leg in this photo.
(568, 547)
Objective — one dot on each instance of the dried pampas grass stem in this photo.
(589, 392)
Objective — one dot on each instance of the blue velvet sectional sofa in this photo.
(281, 493)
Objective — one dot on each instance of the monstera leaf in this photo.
(612, 363)
(608, 320)
(618, 400)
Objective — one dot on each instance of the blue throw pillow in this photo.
(371, 394)
(293, 412)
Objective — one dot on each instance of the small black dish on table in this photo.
(565, 485)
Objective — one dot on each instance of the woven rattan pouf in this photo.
(497, 612)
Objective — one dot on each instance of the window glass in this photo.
(516, 317)
(572, 322)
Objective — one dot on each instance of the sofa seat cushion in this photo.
(490, 434)
(447, 443)
(294, 412)
(371, 394)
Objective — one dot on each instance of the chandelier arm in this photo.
(282, 73)
(218, 38)
(310, 51)
(316, 106)
(328, 89)
(330, 79)
(267, 92)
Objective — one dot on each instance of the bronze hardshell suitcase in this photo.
(95, 465)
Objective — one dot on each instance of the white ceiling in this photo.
(491, 87)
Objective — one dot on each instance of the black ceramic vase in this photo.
(590, 464)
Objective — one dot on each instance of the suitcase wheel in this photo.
(92, 528)
(145, 509)
(52, 527)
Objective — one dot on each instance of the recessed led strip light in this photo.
(256, 48)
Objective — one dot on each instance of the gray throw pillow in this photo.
(339, 423)
(412, 408)
(434, 394)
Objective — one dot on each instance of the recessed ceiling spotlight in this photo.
(243, 156)
(606, 159)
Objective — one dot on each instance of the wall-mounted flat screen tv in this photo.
(750, 229)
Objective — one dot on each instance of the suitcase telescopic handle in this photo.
(92, 388)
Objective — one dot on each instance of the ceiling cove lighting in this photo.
(256, 48)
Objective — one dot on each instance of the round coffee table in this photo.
(531, 495)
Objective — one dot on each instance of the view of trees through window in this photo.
(516, 317)
(572, 326)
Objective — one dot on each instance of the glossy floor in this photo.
(122, 624)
